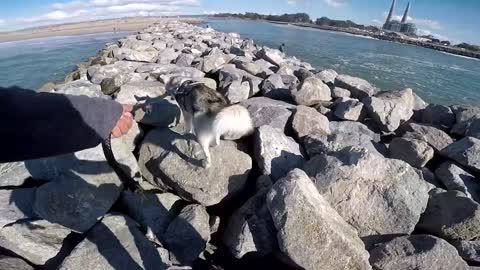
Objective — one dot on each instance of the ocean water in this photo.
(435, 76)
(32, 63)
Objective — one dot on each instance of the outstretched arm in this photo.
(35, 125)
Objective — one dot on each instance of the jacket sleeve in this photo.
(35, 125)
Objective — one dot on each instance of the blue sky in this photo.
(456, 20)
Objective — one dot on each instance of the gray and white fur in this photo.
(208, 115)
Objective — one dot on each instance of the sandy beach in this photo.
(122, 24)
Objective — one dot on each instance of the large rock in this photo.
(139, 56)
(354, 178)
(114, 243)
(275, 57)
(184, 60)
(455, 178)
(421, 252)
(438, 115)
(80, 87)
(158, 112)
(137, 45)
(343, 134)
(167, 56)
(256, 68)
(390, 109)
(37, 241)
(451, 215)
(250, 229)
(11, 263)
(415, 152)
(215, 59)
(327, 76)
(466, 152)
(273, 87)
(16, 204)
(188, 234)
(82, 186)
(359, 88)
(153, 211)
(465, 116)
(435, 137)
(275, 153)
(13, 174)
(311, 92)
(307, 121)
(310, 231)
(172, 161)
(136, 92)
(97, 74)
(338, 92)
(265, 111)
(170, 70)
(468, 250)
(350, 109)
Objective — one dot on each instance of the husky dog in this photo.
(208, 115)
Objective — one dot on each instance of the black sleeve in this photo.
(35, 125)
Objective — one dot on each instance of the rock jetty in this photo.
(337, 175)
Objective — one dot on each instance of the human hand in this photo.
(124, 123)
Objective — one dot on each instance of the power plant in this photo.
(402, 26)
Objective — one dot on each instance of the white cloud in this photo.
(334, 3)
(377, 22)
(425, 23)
(424, 32)
(2, 22)
(77, 10)
(292, 2)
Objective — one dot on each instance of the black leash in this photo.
(127, 181)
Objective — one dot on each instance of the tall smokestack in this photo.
(390, 14)
(405, 15)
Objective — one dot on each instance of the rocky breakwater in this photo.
(337, 175)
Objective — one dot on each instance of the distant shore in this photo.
(353, 31)
(81, 28)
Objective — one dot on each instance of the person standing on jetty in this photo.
(37, 125)
(282, 48)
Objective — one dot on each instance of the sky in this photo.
(455, 20)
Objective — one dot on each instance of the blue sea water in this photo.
(435, 76)
(32, 63)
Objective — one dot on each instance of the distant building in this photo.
(402, 26)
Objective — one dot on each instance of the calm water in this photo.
(435, 76)
(31, 63)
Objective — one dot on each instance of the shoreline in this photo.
(84, 28)
(358, 32)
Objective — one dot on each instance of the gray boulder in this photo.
(310, 231)
(184, 60)
(275, 57)
(257, 68)
(37, 241)
(420, 104)
(435, 137)
(13, 174)
(170, 70)
(236, 91)
(137, 92)
(250, 229)
(390, 109)
(11, 263)
(338, 92)
(153, 211)
(137, 45)
(214, 60)
(96, 74)
(275, 153)
(311, 92)
(350, 109)
(80, 87)
(343, 134)
(266, 111)
(465, 115)
(468, 250)
(352, 178)
(421, 252)
(160, 45)
(455, 178)
(307, 121)
(451, 215)
(415, 152)
(438, 115)
(327, 76)
(359, 88)
(173, 162)
(167, 56)
(188, 234)
(15, 205)
(158, 112)
(114, 243)
(465, 151)
(139, 56)
(274, 88)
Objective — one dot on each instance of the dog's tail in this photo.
(233, 122)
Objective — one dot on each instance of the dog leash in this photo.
(128, 182)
